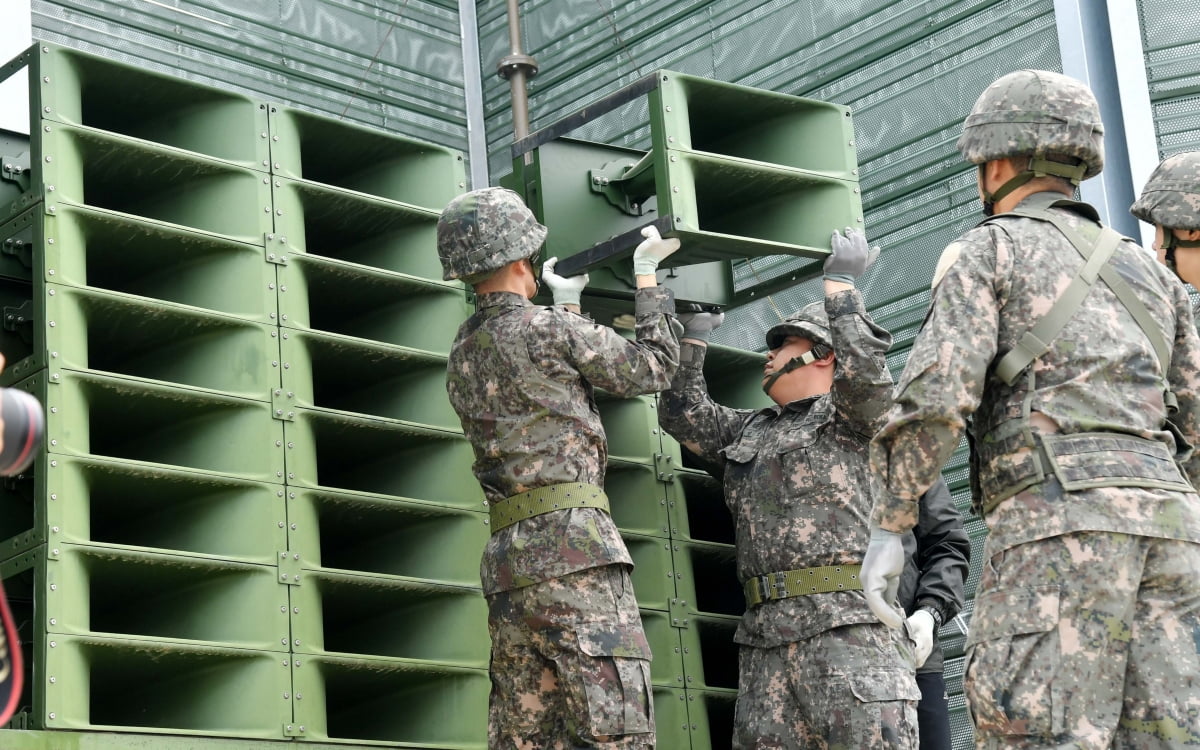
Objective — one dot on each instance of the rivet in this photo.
(53, 644)
(51, 715)
(286, 696)
(49, 159)
(281, 522)
(54, 496)
(51, 292)
(293, 526)
(54, 587)
(53, 679)
(53, 621)
(54, 529)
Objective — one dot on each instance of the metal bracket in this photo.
(664, 468)
(283, 405)
(614, 179)
(680, 616)
(16, 169)
(19, 249)
(20, 320)
(289, 567)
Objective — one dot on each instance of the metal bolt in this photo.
(298, 697)
(281, 522)
(54, 529)
(293, 527)
(54, 587)
(851, 144)
(52, 715)
(49, 159)
(53, 621)
(286, 696)
(53, 679)
(53, 495)
(51, 292)
(53, 644)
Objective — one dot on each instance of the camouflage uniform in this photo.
(1087, 621)
(815, 671)
(570, 661)
(1171, 200)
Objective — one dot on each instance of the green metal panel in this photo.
(86, 247)
(1171, 42)
(390, 701)
(385, 457)
(367, 303)
(111, 503)
(320, 149)
(671, 719)
(356, 531)
(666, 666)
(636, 496)
(136, 420)
(373, 62)
(91, 167)
(341, 373)
(74, 88)
(373, 615)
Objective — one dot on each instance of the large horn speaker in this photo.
(734, 172)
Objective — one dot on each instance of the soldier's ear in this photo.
(1190, 235)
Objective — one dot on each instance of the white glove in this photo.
(566, 291)
(881, 569)
(920, 629)
(653, 250)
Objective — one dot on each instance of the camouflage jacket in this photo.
(1100, 375)
(521, 378)
(795, 476)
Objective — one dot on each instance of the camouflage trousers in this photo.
(1087, 640)
(849, 688)
(570, 665)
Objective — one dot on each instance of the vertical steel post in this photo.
(1086, 44)
(517, 67)
(477, 150)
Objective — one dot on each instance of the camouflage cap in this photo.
(485, 230)
(811, 323)
(1035, 113)
(1171, 197)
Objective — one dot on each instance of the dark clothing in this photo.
(939, 556)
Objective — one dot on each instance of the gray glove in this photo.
(881, 569)
(698, 324)
(850, 257)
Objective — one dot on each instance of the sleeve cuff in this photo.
(692, 355)
(845, 302)
(654, 299)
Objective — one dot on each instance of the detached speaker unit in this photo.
(733, 172)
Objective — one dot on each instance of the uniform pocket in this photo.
(613, 680)
(1010, 672)
(875, 685)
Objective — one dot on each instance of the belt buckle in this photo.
(765, 589)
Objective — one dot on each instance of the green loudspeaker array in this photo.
(240, 340)
(733, 172)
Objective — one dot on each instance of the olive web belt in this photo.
(802, 582)
(506, 512)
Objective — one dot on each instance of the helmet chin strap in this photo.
(1038, 167)
(795, 363)
(1170, 242)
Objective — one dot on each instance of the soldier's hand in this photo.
(652, 251)
(699, 323)
(881, 569)
(566, 291)
(850, 256)
(920, 628)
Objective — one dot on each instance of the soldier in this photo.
(937, 560)
(570, 663)
(1081, 380)
(815, 668)
(1171, 202)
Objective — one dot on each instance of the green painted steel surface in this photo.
(386, 65)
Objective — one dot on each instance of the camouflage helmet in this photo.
(811, 323)
(1171, 197)
(1036, 113)
(484, 230)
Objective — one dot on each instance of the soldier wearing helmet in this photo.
(1171, 202)
(570, 664)
(1070, 359)
(815, 667)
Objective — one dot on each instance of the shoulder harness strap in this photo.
(1037, 340)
